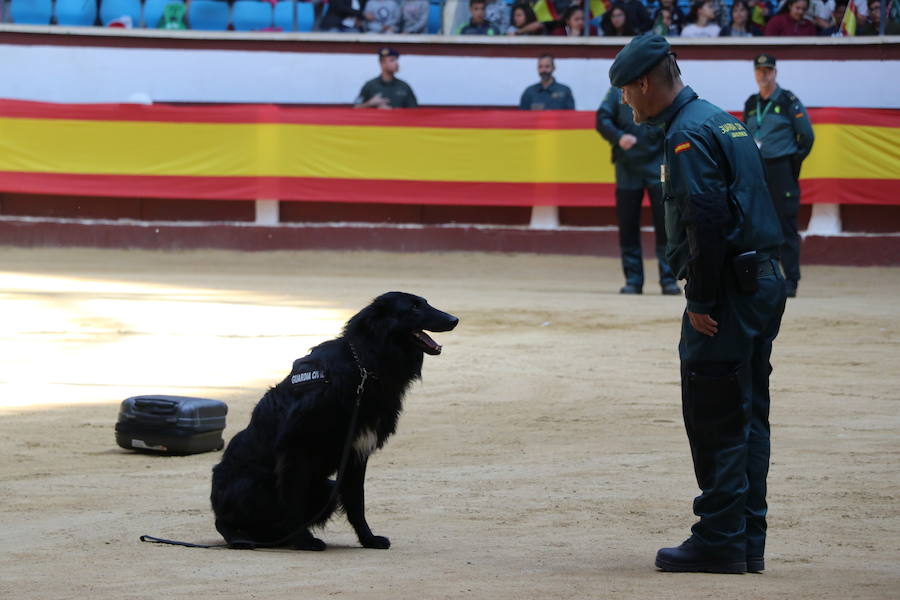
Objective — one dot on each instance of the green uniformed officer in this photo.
(547, 94)
(781, 128)
(637, 155)
(722, 231)
(386, 90)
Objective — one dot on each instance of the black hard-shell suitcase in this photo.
(171, 424)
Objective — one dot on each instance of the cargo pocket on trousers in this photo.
(713, 407)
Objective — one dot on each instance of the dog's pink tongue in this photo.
(428, 344)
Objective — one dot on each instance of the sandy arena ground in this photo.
(543, 456)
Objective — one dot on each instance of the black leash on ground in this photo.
(345, 454)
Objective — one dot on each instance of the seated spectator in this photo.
(385, 16)
(791, 21)
(524, 21)
(548, 94)
(678, 19)
(663, 25)
(478, 24)
(414, 16)
(345, 16)
(702, 21)
(819, 12)
(837, 17)
(572, 24)
(615, 22)
(740, 25)
(638, 17)
(497, 13)
(872, 25)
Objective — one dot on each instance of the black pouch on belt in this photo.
(746, 272)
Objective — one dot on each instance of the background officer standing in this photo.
(386, 90)
(735, 294)
(637, 155)
(547, 94)
(782, 130)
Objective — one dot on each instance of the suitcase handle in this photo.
(156, 407)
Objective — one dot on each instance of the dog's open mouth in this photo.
(426, 343)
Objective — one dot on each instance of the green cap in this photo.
(634, 60)
(764, 60)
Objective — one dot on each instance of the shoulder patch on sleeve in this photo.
(682, 147)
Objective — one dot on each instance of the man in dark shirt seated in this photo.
(386, 91)
(478, 25)
(548, 94)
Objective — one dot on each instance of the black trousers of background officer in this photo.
(725, 400)
(628, 213)
(785, 192)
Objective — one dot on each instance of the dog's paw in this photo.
(376, 541)
(311, 543)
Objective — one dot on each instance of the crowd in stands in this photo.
(684, 18)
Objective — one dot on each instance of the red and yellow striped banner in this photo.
(422, 156)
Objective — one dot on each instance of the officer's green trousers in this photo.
(725, 402)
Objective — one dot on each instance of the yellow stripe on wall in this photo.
(353, 152)
(405, 153)
(854, 152)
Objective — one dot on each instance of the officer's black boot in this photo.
(691, 557)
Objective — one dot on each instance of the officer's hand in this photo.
(627, 141)
(703, 323)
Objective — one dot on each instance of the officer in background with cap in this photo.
(781, 128)
(637, 155)
(722, 232)
(386, 90)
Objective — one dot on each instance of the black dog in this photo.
(273, 483)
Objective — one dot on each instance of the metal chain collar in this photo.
(363, 374)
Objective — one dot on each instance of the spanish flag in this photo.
(848, 23)
(546, 11)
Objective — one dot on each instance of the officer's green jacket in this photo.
(716, 199)
(555, 96)
(779, 125)
(614, 119)
(396, 90)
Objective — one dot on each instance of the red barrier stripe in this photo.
(312, 189)
(832, 191)
(422, 117)
(270, 113)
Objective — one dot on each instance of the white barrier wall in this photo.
(97, 74)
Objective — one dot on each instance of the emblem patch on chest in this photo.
(682, 147)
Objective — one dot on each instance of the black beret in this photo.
(634, 60)
(764, 60)
(385, 52)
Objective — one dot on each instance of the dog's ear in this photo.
(374, 322)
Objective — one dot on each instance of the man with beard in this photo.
(723, 236)
(548, 94)
(386, 90)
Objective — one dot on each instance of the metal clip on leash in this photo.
(345, 454)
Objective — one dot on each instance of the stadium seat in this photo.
(153, 11)
(111, 10)
(211, 15)
(306, 16)
(76, 12)
(284, 15)
(435, 16)
(31, 12)
(251, 15)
